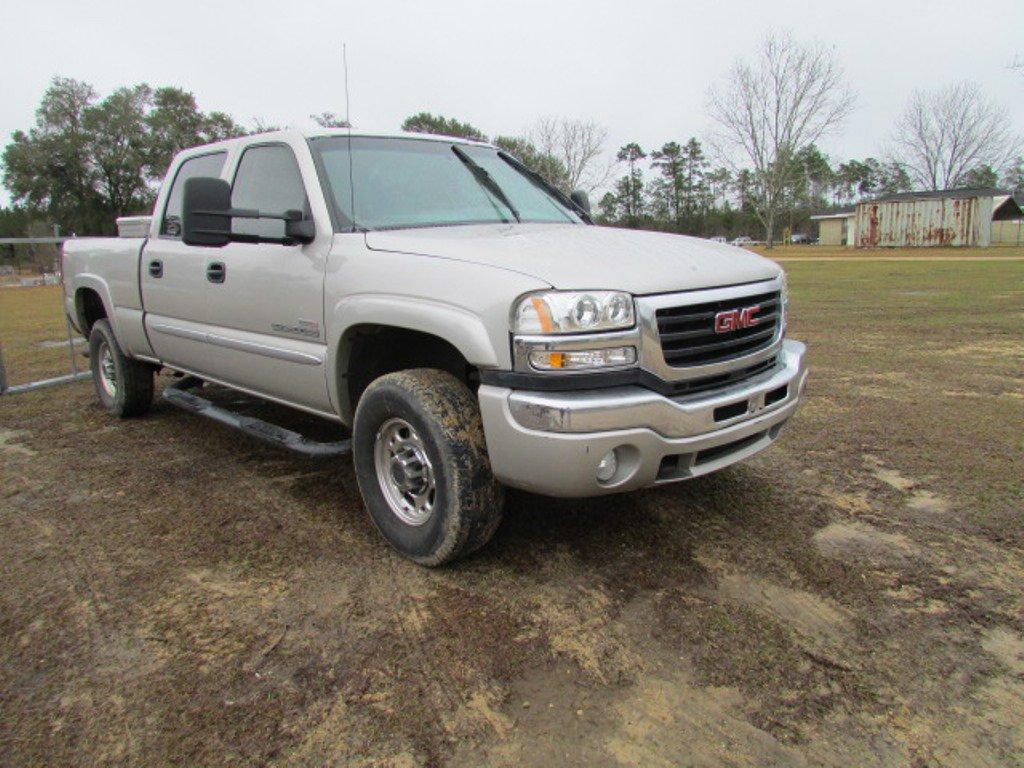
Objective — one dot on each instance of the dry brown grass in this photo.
(29, 319)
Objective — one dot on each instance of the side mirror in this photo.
(206, 212)
(206, 215)
(297, 228)
(581, 200)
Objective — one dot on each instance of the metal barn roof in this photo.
(940, 194)
(838, 213)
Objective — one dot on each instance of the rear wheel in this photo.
(124, 386)
(422, 466)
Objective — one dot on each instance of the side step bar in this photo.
(258, 428)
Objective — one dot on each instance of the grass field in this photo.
(176, 594)
(31, 323)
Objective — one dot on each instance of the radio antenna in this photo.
(344, 64)
(348, 126)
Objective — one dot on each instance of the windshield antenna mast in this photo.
(344, 64)
(348, 126)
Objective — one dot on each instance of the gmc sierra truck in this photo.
(462, 320)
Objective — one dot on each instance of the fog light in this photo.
(608, 466)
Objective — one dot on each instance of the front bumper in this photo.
(551, 442)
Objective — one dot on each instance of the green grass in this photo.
(926, 358)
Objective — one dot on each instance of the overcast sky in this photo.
(639, 67)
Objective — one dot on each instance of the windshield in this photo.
(397, 183)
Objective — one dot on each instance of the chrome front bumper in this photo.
(552, 442)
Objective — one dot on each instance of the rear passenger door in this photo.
(170, 272)
(255, 310)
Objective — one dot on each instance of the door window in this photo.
(203, 165)
(268, 180)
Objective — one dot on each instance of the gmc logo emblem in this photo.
(735, 319)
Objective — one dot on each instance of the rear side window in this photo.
(203, 165)
(267, 179)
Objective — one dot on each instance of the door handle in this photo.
(216, 272)
(156, 268)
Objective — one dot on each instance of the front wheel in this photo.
(123, 385)
(422, 466)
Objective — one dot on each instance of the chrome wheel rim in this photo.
(404, 472)
(107, 370)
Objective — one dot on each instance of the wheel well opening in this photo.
(370, 351)
(90, 308)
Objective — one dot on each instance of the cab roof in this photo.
(310, 133)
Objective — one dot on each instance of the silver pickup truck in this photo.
(462, 319)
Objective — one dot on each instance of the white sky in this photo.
(641, 68)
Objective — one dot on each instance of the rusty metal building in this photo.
(955, 217)
(1008, 227)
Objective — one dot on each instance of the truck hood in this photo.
(578, 256)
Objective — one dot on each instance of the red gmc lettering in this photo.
(735, 319)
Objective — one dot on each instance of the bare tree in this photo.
(767, 110)
(943, 135)
(577, 145)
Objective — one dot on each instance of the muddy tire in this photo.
(422, 466)
(124, 386)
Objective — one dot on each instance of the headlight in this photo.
(785, 290)
(556, 312)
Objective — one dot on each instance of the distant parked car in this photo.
(799, 239)
(743, 241)
(718, 239)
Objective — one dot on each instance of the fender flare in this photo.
(461, 328)
(99, 286)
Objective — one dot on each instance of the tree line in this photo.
(758, 172)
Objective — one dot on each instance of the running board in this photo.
(258, 428)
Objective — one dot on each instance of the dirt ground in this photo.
(174, 594)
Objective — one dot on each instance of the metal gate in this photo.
(74, 372)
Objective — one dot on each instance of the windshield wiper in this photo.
(542, 184)
(486, 181)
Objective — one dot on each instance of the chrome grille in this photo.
(688, 336)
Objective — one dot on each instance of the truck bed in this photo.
(110, 267)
